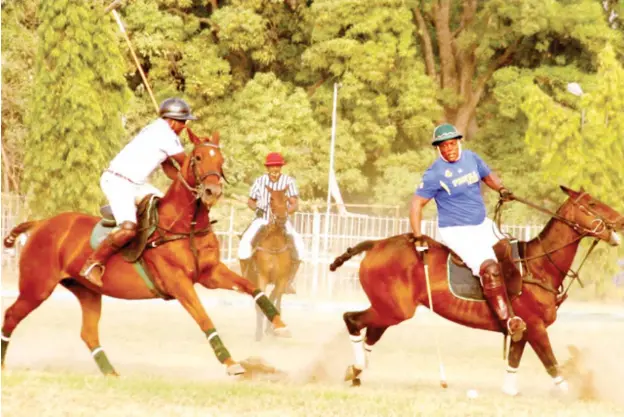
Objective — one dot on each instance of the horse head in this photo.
(594, 218)
(279, 206)
(203, 169)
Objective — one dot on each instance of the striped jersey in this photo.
(259, 192)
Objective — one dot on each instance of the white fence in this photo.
(323, 242)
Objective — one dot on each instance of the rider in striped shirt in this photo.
(259, 200)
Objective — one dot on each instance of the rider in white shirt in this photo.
(124, 182)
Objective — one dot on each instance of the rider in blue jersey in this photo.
(454, 182)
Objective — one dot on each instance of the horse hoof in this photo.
(352, 373)
(235, 369)
(282, 332)
(356, 382)
(113, 374)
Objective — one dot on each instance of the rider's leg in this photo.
(120, 194)
(93, 269)
(496, 295)
(244, 247)
(474, 244)
(296, 261)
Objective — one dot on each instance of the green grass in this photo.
(35, 393)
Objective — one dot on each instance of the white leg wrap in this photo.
(96, 351)
(562, 384)
(358, 350)
(510, 383)
(367, 350)
(4, 338)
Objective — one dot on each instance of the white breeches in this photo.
(244, 248)
(123, 196)
(473, 244)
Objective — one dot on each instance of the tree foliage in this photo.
(79, 99)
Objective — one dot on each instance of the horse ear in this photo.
(569, 191)
(215, 138)
(193, 137)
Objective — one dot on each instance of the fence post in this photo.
(231, 233)
(316, 247)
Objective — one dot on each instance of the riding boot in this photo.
(93, 269)
(294, 266)
(245, 264)
(496, 295)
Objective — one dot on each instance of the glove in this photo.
(505, 194)
(259, 212)
(419, 241)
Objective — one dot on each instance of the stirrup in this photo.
(85, 273)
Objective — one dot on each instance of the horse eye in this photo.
(592, 204)
(198, 158)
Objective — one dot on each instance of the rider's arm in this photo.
(170, 169)
(293, 204)
(493, 181)
(251, 203)
(416, 207)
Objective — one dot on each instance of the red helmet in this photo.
(274, 159)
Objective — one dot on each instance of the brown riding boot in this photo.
(93, 269)
(496, 295)
(294, 267)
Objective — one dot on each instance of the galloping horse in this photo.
(272, 256)
(393, 277)
(184, 251)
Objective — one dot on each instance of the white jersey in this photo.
(146, 151)
(262, 196)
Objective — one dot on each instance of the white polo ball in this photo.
(472, 393)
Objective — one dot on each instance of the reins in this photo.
(582, 232)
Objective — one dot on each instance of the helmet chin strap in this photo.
(459, 146)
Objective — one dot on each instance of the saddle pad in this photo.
(466, 286)
(99, 233)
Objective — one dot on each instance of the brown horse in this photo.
(393, 277)
(272, 258)
(184, 251)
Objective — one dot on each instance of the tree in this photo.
(75, 123)
(19, 40)
(465, 43)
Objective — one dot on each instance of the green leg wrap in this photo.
(265, 305)
(102, 361)
(5, 346)
(217, 345)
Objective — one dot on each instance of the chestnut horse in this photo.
(393, 277)
(185, 251)
(272, 258)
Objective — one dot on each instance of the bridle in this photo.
(200, 189)
(599, 225)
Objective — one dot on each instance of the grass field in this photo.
(168, 368)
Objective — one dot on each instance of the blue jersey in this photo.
(456, 188)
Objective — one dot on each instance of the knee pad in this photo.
(490, 273)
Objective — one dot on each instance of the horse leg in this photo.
(510, 383)
(538, 339)
(91, 305)
(373, 334)
(184, 292)
(262, 283)
(29, 298)
(222, 277)
(356, 322)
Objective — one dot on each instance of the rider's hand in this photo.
(419, 241)
(505, 194)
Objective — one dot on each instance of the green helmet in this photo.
(175, 108)
(444, 132)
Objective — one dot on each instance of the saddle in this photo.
(147, 220)
(464, 284)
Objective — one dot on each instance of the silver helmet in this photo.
(175, 108)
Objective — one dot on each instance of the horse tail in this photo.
(351, 252)
(9, 241)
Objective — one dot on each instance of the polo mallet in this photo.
(423, 250)
(113, 9)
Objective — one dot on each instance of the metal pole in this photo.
(331, 167)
